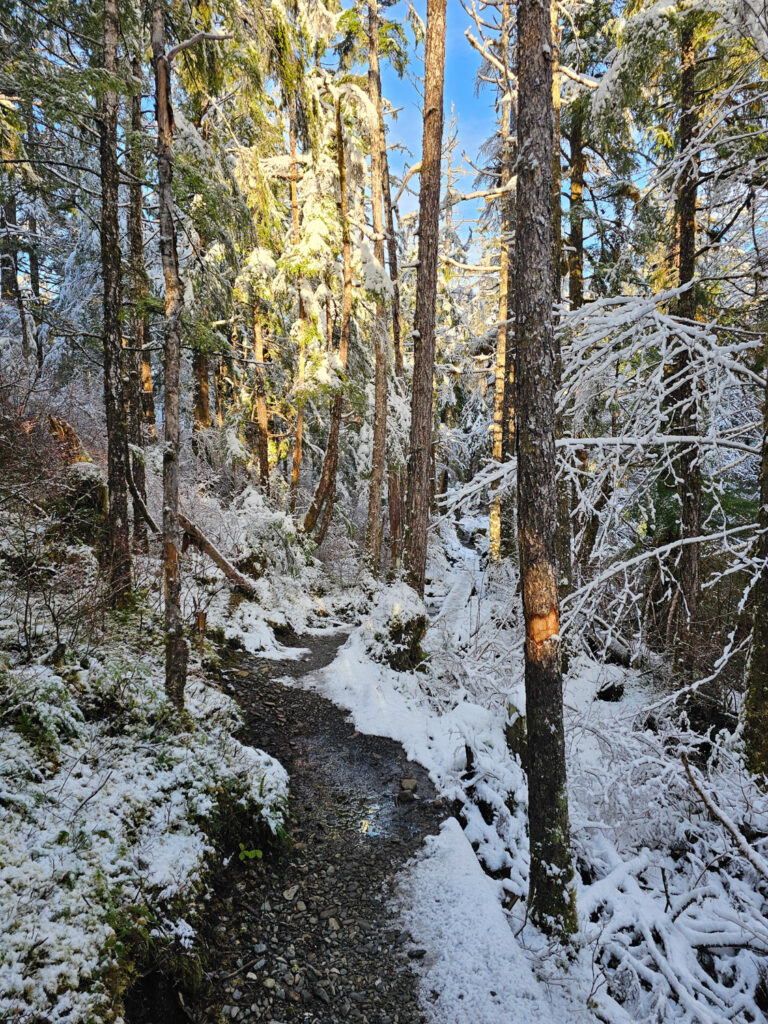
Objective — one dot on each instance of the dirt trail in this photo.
(308, 935)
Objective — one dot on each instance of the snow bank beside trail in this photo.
(474, 971)
(105, 800)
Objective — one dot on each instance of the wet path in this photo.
(308, 935)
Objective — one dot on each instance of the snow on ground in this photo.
(474, 970)
(672, 925)
(104, 803)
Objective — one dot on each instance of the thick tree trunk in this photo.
(117, 442)
(564, 561)
(687, 468)
(378, 146)
(326, 487)
(138, 315)
(176, 651)
(419, 483)
(551, 896)
(260, 396)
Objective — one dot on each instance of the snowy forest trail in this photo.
(308, 934)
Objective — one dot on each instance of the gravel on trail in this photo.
(309, 933)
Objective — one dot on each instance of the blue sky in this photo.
(475, 113)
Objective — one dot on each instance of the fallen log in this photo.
(199, 539)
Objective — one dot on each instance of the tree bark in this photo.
(176, 651)
(551, 900)
(687, 468)
(755, 712)
(299, 433)
(138, 314)
(576, 213)
(117, 440)
(260, 396)
(419, 485)
(378, 147)
(326, 487)
(394, 476)
(501, 372)
(202, 402)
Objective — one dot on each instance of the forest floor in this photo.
(307, 933)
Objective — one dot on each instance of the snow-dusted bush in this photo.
(107, 805)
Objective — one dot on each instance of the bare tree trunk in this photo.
(394, 475)
(202, 391)
(419, 484)
(688, 469)
(326, 487)
(176, 651)
(755, 712)
(551, 900)
(564, 560)
(576, 214)
(138, 314)
(501, 375)
(299, 433)
(117, 442)
(261, 399)
(378, 146)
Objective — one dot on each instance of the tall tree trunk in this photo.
(688, 470)
(117, 442)
(564, 561)
(394, 476)
(260, 403)
(755, 711)
(326, 487)
(551, 900)
(175, 645)
(378, 145)
(299, 432)
(501, 373)
(576, 213)
(419, 485)
(138, 314)
(397, 338)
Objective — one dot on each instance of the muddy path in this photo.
(308, 934)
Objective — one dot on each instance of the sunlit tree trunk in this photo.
(420, 455)
(138, 315)
(175, 645)
(550, 896)
(260, 396)
(501, 371)
(565, 567)
(576, 212)
(381, 340)
(325, 493)
(201, 406)
(117, 442)
(298, 440)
